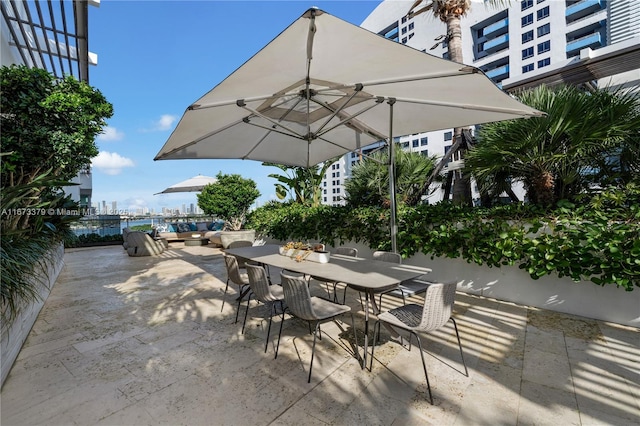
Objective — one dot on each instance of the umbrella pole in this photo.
(392, 179)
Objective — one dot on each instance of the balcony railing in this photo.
(582, 9)
(590, 40)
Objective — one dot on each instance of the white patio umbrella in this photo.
(195, 184)
(325, 87)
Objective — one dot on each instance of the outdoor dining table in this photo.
(364, 275)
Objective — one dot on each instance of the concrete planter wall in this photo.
(14, 334)
(228, 237)
(509, 283)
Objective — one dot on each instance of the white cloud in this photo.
(110, 134)
(111, 163)
(164, 123)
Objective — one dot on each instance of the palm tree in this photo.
(450, 12)
(369, 181)
(586, 138)
(302, 184)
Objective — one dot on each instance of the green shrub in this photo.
(597, 241)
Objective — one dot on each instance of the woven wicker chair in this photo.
(384, 256)
(141, 244)
(434, 314)
(270, 295)
(406, 288)
(241, 279)
(302, 305)
(345, 251)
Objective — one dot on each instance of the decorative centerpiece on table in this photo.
(300, 252)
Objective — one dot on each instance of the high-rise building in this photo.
(531, 42)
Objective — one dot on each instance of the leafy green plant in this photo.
(597, 241)
(302, 184)
(229, 198)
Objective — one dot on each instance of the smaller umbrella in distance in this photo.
(195, 184)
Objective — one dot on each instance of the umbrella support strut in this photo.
(392, 179)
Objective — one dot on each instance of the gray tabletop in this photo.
(362, 274)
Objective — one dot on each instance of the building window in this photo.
(411, 26)
(527, 20)
(425, 152)
(448, 136)
(544, 30)
(404, 40)
(324, 183)
(337, 190)
(527, 68)
(543, 13)
(527, 53)
(404, 18)
(415, 143)
(337, 174)
(424, 141)
(526, 4)
(544, 46)
(353, 155)
(544, 62)
(528, 36)
(404, 30)
(405, 145)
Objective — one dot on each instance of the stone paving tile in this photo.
(145, 341)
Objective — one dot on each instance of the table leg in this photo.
(366, 329)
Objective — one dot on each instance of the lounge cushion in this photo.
(201, 226)
(183, 227)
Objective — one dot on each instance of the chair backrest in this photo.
(347, 251)
(260, 283)
(438, 304)
(297, 296)
(240, 243)
(233, 271)
(387, 256)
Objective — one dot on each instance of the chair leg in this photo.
(424, 366)
(279, 335)
(376, 336)
(246, 311)
(355, 336)
(224, 296)
(313, 349)
(272, 312)
(466, 372)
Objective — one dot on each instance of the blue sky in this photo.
(155, 58)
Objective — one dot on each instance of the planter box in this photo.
(312, 256)
(15, 333)
(509, 283)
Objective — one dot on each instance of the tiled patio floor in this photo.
(142, 341)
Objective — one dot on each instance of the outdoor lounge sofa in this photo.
(183, 230)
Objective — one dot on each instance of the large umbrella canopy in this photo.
(195, 184)
(324, 87)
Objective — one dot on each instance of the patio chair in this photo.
(302, 305)
(238, 244)
(141, 244)
(345, 251)
(384, 256)
(235, 276)
(434, 314)
(406, 288)
(271, 295)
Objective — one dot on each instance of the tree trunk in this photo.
(462, 182)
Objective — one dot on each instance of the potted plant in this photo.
(230, 198)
